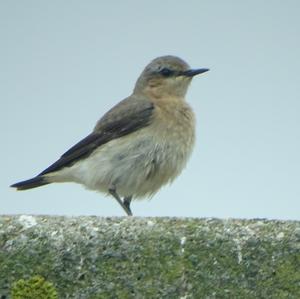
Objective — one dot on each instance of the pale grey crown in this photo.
(166, 76)
(162, 73)
(166, 66)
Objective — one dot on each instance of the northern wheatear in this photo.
(139, 145)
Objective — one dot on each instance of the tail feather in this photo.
(31, 183)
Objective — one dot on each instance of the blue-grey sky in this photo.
(65, 63)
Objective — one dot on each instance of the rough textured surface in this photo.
(91, 257)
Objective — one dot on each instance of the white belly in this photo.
(137, 164)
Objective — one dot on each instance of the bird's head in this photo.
(166, 76)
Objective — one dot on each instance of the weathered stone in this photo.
(91, 257)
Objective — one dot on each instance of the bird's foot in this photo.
(127, 202)
(124, 204)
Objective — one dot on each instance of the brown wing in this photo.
(128, 116)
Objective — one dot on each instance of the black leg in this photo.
(125, 206)
(127, 202)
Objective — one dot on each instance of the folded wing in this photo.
(126, 117)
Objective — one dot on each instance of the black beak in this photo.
(192, 73)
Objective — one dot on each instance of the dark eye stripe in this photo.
(166, 72)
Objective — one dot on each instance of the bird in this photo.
(138, 146)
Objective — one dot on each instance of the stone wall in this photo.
(92, 257)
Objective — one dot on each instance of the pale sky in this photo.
(65, 63)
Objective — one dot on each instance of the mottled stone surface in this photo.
(91, 257)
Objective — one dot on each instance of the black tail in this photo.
(32, 183)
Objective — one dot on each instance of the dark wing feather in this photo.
(128, 116)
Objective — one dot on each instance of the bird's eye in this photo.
(166, 72)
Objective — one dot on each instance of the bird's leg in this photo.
(127, 202)
(125, 206)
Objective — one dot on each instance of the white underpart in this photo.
(137, 164)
